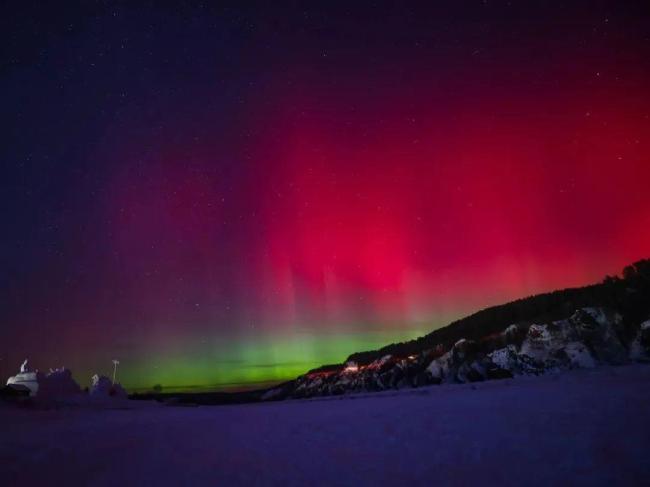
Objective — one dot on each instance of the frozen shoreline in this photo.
(586, 427)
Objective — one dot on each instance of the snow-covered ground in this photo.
(588, 427)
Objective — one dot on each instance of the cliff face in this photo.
(589, 337)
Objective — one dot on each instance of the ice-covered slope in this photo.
(583, 427)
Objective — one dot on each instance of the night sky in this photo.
(223, 195)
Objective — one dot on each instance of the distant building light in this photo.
(351, 367)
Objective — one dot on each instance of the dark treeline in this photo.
(629, 295)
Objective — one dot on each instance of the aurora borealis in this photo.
(228, 195)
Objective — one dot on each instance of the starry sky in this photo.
(226, 194)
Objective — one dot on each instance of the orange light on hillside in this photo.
(351, 367)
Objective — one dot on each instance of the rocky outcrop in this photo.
(58, 383)
(103, 387)
(588, 338)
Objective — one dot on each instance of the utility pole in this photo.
(115, 364)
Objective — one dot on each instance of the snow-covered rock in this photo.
(579, 355)
(102, 386)
(57, 383)
(440, 367)
(504, 358)
(27, 380)
(597, 329)
(640, 346)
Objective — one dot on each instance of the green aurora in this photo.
(250, 362)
